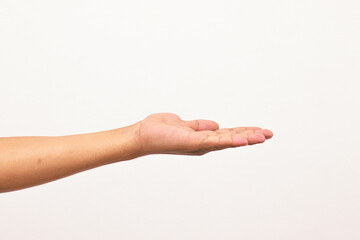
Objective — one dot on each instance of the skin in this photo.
(30, 161)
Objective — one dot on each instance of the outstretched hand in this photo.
(30, 161)
(167, 133)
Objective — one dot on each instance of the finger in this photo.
(227, 139)
(221, 141)
(240, 140)
(237, 129)
(256, 138)
(267, 133)
(201, 125)
(247, 130)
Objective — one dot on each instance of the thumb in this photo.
(201, 125)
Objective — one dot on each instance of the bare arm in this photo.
(30, 161)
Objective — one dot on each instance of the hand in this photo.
(167, 133)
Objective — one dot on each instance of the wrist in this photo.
(127, 142)
(133, 144)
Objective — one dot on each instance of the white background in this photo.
(69, 67)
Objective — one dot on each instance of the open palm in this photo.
(168, 133)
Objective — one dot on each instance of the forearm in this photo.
(30, 161)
